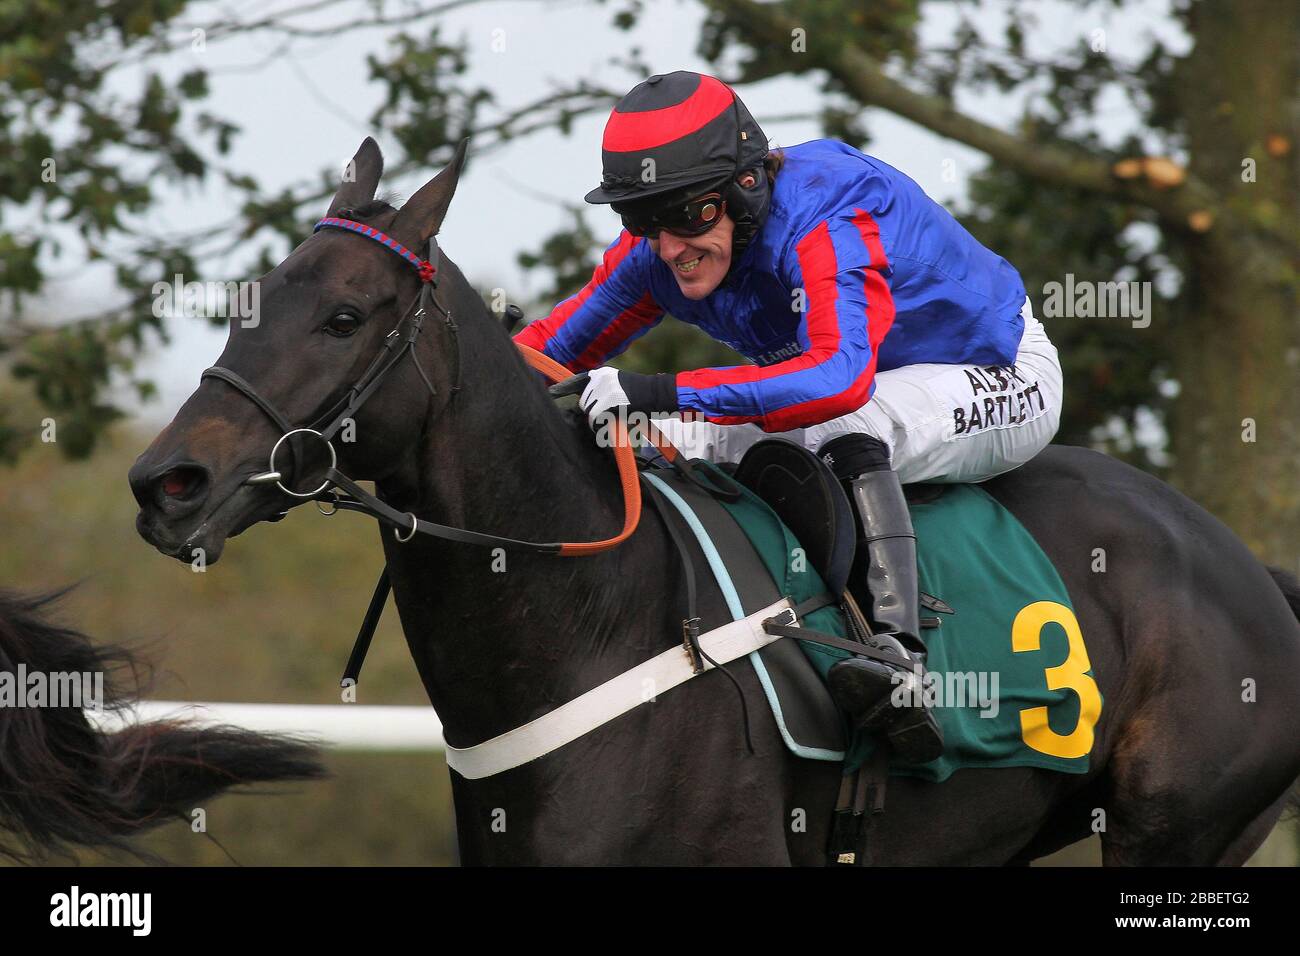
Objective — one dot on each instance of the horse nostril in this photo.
(182, 483)
(170, 486)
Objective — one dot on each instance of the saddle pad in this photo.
(1008, 671)
(1014, 624)
(809, 722)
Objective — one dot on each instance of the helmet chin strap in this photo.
(748, 211)
(750, 205)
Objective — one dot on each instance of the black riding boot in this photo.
(887, 559)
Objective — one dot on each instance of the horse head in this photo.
(326, 312)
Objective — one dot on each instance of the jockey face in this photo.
(699, 263)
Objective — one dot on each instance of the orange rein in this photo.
(623, 456)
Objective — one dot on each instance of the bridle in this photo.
(327, 424)
(397, 345)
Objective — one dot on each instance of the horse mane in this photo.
(367, 210)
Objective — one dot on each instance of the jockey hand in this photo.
(608, 388)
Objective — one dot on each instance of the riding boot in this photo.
(886, 567)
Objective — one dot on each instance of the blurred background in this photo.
(1086, 142)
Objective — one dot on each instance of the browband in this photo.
(427, 269)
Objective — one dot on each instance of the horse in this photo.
(465, 433)
(66, 782)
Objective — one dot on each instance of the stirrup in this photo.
(859, 684)
(913, 732)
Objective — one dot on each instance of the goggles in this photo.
(693, 217)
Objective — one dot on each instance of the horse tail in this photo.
(65, 783)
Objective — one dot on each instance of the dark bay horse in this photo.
(1186, 766)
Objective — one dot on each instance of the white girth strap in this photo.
(616, 696)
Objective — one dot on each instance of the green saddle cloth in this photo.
(1008, 671)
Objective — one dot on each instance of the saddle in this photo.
(807, 499)
(752, 549)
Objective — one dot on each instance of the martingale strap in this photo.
(623, 455)
(615, 697)
(406, 524)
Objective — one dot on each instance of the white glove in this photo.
(602, 393)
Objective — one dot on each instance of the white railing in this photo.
(339, 726)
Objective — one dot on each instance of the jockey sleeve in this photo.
(855, 271)
(839, 289)
(611, 312)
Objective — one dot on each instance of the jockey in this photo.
(883, 336)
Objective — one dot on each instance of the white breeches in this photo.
(945, 423)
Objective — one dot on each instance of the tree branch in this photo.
(864, 78)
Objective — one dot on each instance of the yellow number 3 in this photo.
(1025, 634)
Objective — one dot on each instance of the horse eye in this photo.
(342, 325)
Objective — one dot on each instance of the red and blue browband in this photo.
(422, 266)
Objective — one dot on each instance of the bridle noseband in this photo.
(397, 344)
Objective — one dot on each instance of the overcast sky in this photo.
(307, 110)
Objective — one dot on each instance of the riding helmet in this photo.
(676, 134)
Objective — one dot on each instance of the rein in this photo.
(588, 711)
(397, 345)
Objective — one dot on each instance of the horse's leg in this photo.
(1193, 645)
(1191, 795)
(1157, 831)
(977, 817)
(1206, 747)
(1244, 846)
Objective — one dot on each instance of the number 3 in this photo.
(1025, 634)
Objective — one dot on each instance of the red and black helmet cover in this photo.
(674, 131)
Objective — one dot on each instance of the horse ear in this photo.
(360, 178)
(423, 213)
